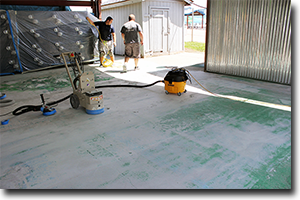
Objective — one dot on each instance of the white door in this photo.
(159, 30)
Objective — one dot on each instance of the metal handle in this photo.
(43, 100)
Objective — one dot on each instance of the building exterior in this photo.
(162, 23)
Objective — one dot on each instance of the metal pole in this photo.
(206, 34)
(67, 68)
(99, 9)
(192, 25)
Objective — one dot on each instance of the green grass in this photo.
(198, 46)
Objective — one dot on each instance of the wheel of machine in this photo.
(184, 91)
(179, 93)
(166, 92)
(74, 100)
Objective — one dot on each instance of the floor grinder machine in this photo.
(84, 91)
(86, 94)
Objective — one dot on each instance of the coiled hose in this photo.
(28, 108)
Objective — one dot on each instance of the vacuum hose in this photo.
(28, 108)
(135, 86)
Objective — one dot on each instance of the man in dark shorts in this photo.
(130, 32)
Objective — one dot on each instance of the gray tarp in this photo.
(29, 39)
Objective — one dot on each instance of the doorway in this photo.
(159, 30)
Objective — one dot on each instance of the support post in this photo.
(192, 34)
(207, 33)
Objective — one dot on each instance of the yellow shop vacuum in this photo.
(175, 81)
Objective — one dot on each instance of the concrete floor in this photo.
(145, 138)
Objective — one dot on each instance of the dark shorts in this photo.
(132, 50)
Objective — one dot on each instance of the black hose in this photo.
(25, 109)
(135, 86)
(28, 108)
(58, 101)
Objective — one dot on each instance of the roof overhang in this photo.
(196, 12)
(188, 2)
(117, 3)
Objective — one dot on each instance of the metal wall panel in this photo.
(250, 38)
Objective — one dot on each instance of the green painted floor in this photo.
(145, 138)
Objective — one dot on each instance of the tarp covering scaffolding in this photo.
(30, 39)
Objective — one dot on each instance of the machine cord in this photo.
(28, 108)
(244, 101)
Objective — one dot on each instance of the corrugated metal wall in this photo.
(250, 38)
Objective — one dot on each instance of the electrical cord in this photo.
(6, 114)
(244, 100)
(6, 102)
(28, 108)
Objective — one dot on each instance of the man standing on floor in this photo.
(130, 32)
(107, 38)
